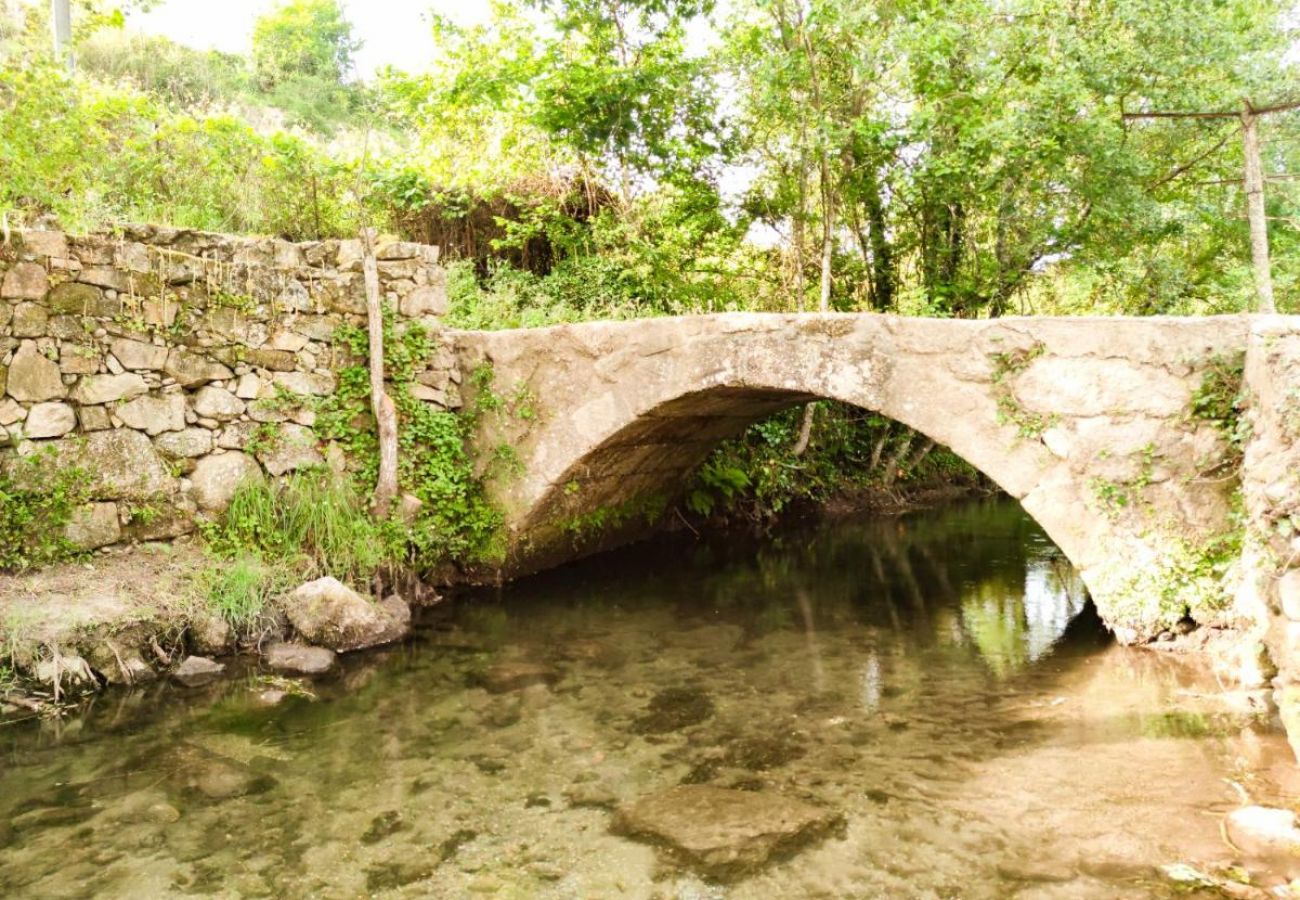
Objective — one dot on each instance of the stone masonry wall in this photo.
(169, 365)
(1270, 586)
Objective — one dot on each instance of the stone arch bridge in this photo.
(1089, 422)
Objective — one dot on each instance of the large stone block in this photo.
(430, 300)
(294, 447)
(104, 277)
(30, 320)
(139, 355)
(94, 525)
(33, 377)
(313, 384)
(188, 444)
(217, 403)
(117, 465)
(46, 243)
(192, 369)
(75, 299)
(49, 420)
(154, 415)
(25, 281)
(330, 614)
(92, 390)
(216, 478)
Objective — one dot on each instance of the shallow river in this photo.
(935, 680)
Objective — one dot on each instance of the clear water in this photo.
(935, 678)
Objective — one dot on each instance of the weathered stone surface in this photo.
(217, 403)
(210, 633)
(93, 418)
(94, 525)
(46, 243)
(49, 420)
(274, 360)
(1265, 833)
(249, 387)
(293, 447)
(330, 614)
(75, 299)
(33, 377)
(104, 277)
(309, 384)
(78, 359)
(154, 415)
(92, 390)
(216, 478)
(300, 659)
(1094, 387)
(430, 300)
(25, 281)
(11, 411)
(725, 833)
(138, 355)
(196, 671)
(236, 435)
(120, 464)
(189, 443)
(1288, 594)
(192, 369)
(29, 320)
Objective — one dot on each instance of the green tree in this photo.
(303, 39)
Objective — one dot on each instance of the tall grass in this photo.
(313, 522)
(239, 589)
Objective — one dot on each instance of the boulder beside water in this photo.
(196, 671)
(330, 614)
(298, 658)
(725, 833)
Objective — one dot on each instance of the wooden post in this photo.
(1255, 211)
(61, 31)
(1254, 182)
(380, 403)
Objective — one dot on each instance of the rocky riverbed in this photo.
(913, 708)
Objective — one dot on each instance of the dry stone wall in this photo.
(169, 365)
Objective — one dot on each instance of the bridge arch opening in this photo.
(634, 480)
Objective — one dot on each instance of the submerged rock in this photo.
(330, 614)
(674, 709)
(725, 833)
(513, 676)
(196, 671)
(1266, 834)
(199, 772)
(298, 658)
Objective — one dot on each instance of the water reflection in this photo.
(935, 679)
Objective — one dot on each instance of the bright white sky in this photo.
(394, 32)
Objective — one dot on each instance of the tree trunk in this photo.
(1255, 211)
(878, 450)
(380, 403)
(891, 467)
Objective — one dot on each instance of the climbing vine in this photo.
(1006, 366)
(454, 519)
(1220, 400)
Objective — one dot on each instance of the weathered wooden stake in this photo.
(380, 403)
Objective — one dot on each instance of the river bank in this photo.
(133, 613)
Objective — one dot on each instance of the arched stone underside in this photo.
(1088, 422)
